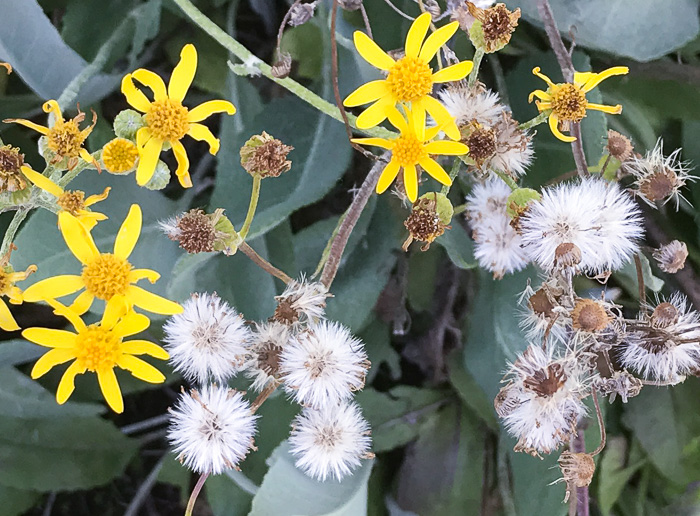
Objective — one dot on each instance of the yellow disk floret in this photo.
(120, 155)
(106, 276)
(410, 79)
(97, 348)
(167, 119)
(408, 150)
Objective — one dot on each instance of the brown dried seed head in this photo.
(505, 401)
(265, 156)
(72, 201)
(567, 255)
(619, 146)
(301, 13)
(285, 312)
(660, 185)
(11, 161)
(664, 315)
(424, 223)
(542, 303)
(590, 315)
(671, 257)
(283, 66)
(196, 232)
(546, 382)
(498, 24)
(577, 470)
(481, 142)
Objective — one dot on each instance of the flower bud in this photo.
(199, 232)
(161, 177)
(283, 66)
(590, 315)
(265, 156)
(127, 123)
(619, 146)
(577, 469)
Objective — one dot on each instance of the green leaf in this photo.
(377, 339)
(469, 391)
(19, 351)
(628, 275)
(225, 497)
(16, 501)
(459, 246)
(305, 44)
(622, 27)
(286, 491)
(612, 473)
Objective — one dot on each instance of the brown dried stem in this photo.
(601, 424)
(582, 501)
(264, 394)
(263, 263)
(640, 283)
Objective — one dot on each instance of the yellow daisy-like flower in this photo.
(119, 156)
(410, 79)
(8, 278)
(567, 101)
(97, 348)
(167, 120)
(73, 202)
(411, 148)
(107, 276)
(65, 139)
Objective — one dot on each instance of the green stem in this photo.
(195, 494)
(254, 196)
(478, 56)
(507, 180)
(253, 64)
(75, 171)
(542, 117)
(453, 174)
(18, 218)
(459, 209)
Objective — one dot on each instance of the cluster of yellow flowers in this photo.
(107, 276)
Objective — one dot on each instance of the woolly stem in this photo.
(453, 174)
(507, 180)
(263, 263)
(195, 493)
(16, 221)
(478, 56)
(252, 206)
(539, 119)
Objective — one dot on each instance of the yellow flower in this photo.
(65, 139)
(119, 156)
(97, 348)
(73, 202)
(410, 79)
(8, 278)
(167, 120)
(410, 149)
(107, 276)
(567, 101)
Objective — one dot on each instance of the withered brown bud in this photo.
(671, 257)
(542, 303)
(301, 13)
(265, 156)
(11, 161)
(660, 185)
(577, 469)
(621, 383)
(590, 315)
(283, 66)
(194, 231)
(350, 5)
(567, 255)
(494, 26)
(428, 219)
(506, 401)
(480, 140)
(7, 67)
(664, 315)
(619, 146)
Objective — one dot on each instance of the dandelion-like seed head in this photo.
(208, 340)
(264, 356)
(541, 311)
(11, 161)
(468, 105)
(331, 441)
(106, 276)
(119, 156)
(301, 302)
(212, 429)
(664, 315)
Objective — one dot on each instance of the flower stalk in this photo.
(254, 196)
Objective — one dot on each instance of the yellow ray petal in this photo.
(374, 114)
(371, 52)
(438, 39)
(129, 233)
(50, 360)
(82, 303)
(410, 181)
(143, 136)
(183, 164)
(206, 109)
(50, 338)
(376, 142)
(433, 168)
(148, 159)
(140, 369)
(184, 71)
(613, 110)
(542, 95)
(26, 123)
(144, 347)
(77, 238)
(89, 158)
(366, 93)
(134, 96)
(131, 324)
(202, 133)
(453, 73)
(397, 119)
(68, 313)
(536, 71)
(442, 117)
(51, 288)
(447, 148)
(113, 312)
(110, 389)
(416, 34)
(388, 175)
(139, 274)
(554, 127)
(51, 106)
(430, 133)
(152, 302)
(597, 78)
(67, 384)
(7, 321)
(94, 199)
(152, 81)
(42, 182)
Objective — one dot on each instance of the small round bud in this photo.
(11, 161)
(283, 66)
(590, 315)
(577, 469)
(265, 156)
(127, 123)
(429, 219)
(119, 156)
(301, 13)
(518, 202)
(161, 177)
(671, 257)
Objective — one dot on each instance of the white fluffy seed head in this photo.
(466, 104)
(664, 346)
(598, 218)
(211, 429)
(302, 302)
(207, 340)
(263, 359)
(323, 365)
(514, 152)
(331, 441)
(540, 311)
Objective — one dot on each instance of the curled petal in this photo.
(94, 199)
(26, 123)
(67, 384)
(594, 79)
(183, 164)
(612, 110)
(536, 71)
(202, 133)
(134, 96)
(139, 274)
(542, 95)
(206, 109)
(554, 127)
(183, 74)
(152, 81)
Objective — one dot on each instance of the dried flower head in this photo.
(577, 469)
(330, 441)
(11, 161)
(493, 26)
(265, 156)
(212, 429)
(208, 340)
(590, 315)
(619, 146)
(263, 358)
(481, 141)
(299, 14)
(429, 219)
(283, 67)
(350, 5)
(542, 312)
(199, 232)
(659, 178)
(301, 302)
(671, 257)
(621, 383)
(324, 365)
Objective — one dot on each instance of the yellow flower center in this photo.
(5, 282)
(167, 120)
(65, 139)
(408, 150)
(410, 79)
(569, 102)
(119, 155)
(106, 276)
(97, 349)
(72, 202)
